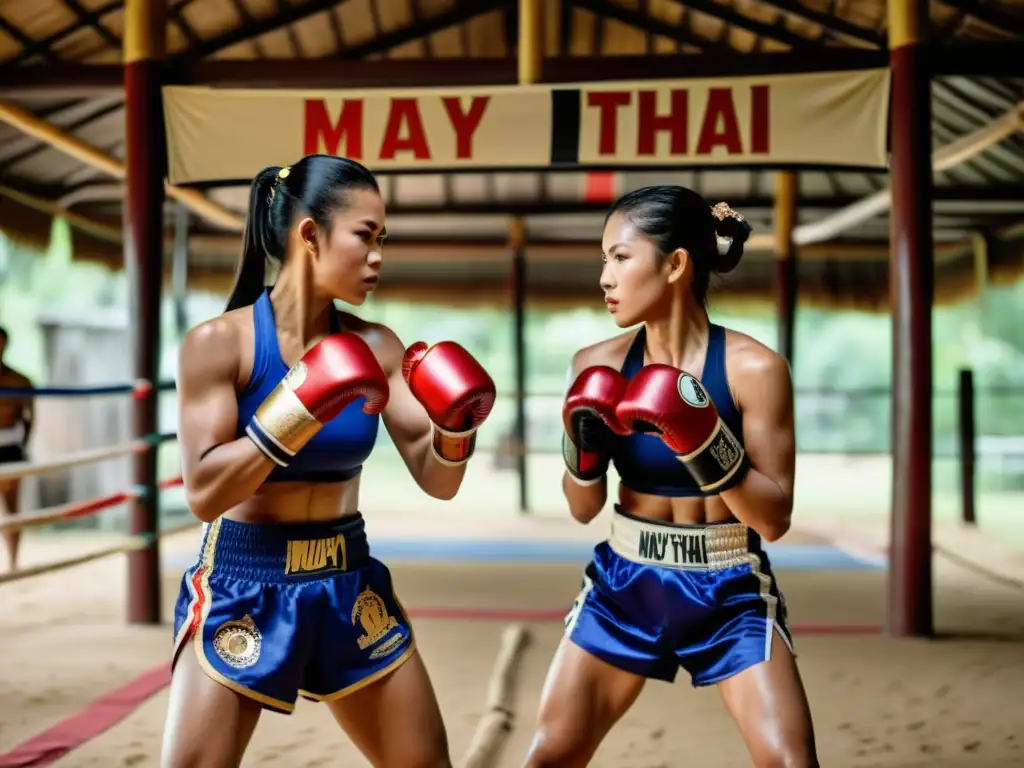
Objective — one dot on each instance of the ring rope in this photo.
(21, 469)
(141, 388)
(136, 542)
(77, 509)
(978, 569)
(131, 544)
(68, 511)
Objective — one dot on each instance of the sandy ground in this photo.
(952, 701)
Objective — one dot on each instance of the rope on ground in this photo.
(977, 568)
(496, 724)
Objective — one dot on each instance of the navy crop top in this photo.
(644, 463)
(337, 452)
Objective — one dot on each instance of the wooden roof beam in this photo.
(647, 23)
(73, 146)
(736, 19)
(989, 15)
(995, 198)
(25, 40)
(9, 159)
(87, 19)
(833, 23)
(426, 26)
(42, 46)
(77, 80)
(284, 18)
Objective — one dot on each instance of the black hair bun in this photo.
(734, 229)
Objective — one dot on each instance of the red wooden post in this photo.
(145, 156)
(786, 184)
(911, 285)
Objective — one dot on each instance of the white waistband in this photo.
(698, 547)
(12, 435)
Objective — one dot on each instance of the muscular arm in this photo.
(585, 501)
(409, 426)
(219, 470)
(763, 500)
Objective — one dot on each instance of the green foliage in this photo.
(842, 371)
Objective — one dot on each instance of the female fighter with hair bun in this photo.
(280, 400)
(699, 423)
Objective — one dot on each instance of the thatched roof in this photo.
(60, 60)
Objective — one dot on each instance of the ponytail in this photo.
(251, 275)
(315, 185)
(675, 217)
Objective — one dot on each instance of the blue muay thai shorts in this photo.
(277, 611)
(657, 596)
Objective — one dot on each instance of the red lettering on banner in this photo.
(608, 103)
(720, 126)
(759, 119)
(404, 113)
(320, 131)
(649, 122)
(465, 123)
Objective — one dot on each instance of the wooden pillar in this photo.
(530, 57)
(145, 156)
(179, 270)
(966, 432)
(517, 241)
(786, 184)
(980, 246)
(911, 290)
(531, 42)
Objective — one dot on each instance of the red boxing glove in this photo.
(456, 392)
(664, 399)
(332, 374)
(590, 422)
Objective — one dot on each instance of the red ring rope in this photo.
(79, 508)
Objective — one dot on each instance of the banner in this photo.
(830, 119)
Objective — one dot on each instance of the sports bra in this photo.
(337, 452)
(644, 463)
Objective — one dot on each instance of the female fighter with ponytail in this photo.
(280, 399)
(699, 423)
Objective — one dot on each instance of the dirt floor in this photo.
(952, 701)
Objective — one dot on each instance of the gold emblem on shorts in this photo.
(238, 643)
(372, 614)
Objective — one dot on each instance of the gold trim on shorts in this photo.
(206, 599)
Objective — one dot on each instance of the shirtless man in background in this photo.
(15, 428)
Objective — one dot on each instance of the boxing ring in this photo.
(487, 593)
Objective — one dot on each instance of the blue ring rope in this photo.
(103, 389)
